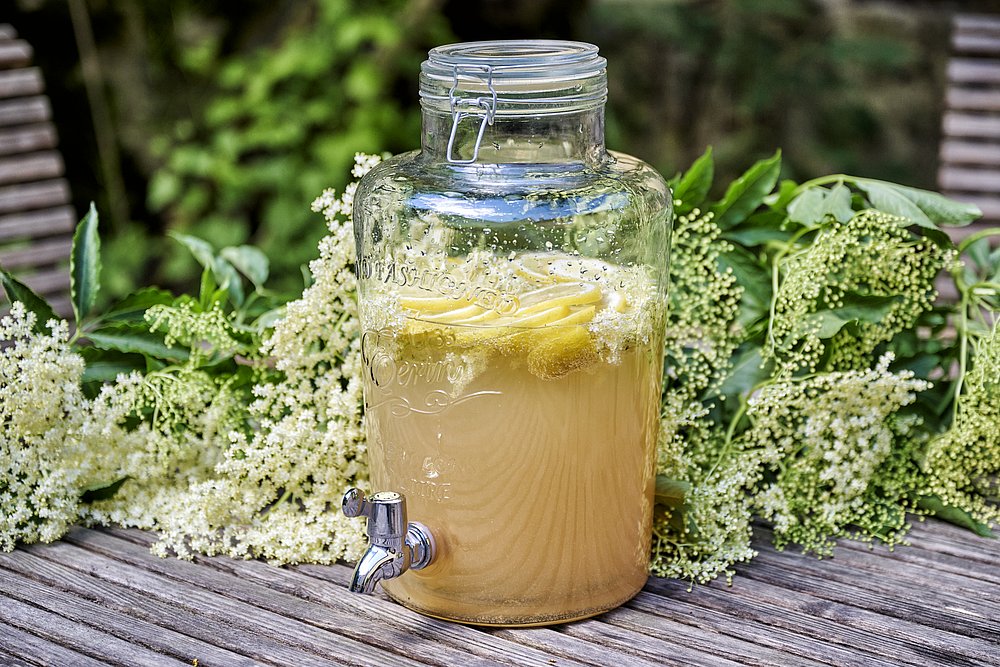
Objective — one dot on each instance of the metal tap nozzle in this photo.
(394, 545)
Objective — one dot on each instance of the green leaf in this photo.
(103, 491)
(202, 250)
(18, 291)
(855, 309)
(747, 192)
(108, 371)
(250, 261)
(693, 186)
(759, 229)
(132, 339)
(748, 371)
(755, 279)
(922, 207)
(134, 306)
(671, 492)
(85, 265)
(838, 203)
(954, 515)
(809, 207)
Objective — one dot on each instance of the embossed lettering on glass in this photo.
(511, 281)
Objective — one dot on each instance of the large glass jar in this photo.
(512, 277)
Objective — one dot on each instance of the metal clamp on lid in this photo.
(464, 107)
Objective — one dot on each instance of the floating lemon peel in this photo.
(571, 314)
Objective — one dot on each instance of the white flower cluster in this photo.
(825, 439)
(40, 397)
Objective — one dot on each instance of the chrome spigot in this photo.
(394, 546)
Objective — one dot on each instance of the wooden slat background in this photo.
(970, 143)
(100, 597)
(36, 221)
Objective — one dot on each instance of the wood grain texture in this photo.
(99, 595)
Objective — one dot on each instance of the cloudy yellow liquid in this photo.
(529, 457)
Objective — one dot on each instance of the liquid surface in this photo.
(521, 425)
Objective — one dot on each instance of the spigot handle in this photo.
(354, 504)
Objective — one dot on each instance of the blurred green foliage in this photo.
(232, 115)
(285, 123)
(841, 87)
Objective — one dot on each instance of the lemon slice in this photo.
(562, 294)
(432, 305)
(458, 315)
(581, 316)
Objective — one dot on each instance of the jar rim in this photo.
(529, 75)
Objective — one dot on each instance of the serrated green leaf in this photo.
(954, 515)
(85, 265)
(747, 192)
(202, 250)
(18, 291)
(134, 306)
(137, 341)
(692, 188)
(923, 207)
(250, 261)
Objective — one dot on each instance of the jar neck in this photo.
(575, 136)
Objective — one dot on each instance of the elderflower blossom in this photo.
(40, 400)
(272, 491)
(872, 256)
(704, 302)
(963, 464)
(711, 531)
(831, 442)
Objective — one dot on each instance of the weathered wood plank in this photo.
(315, 600)
(31, 167)
(973, 99)
(309, 645)
(827, 621)
(68, 632)
(977, 22)
(632, 648)
(34, 224)
(39, 253)
(973, 70)
(17, 642)
(939, 562)
(24, 111)
(52, 281)
(558, 642)
(970, 180)
(970, 152)
(27, 138)
(705, 640)
(958, 124)
(21, 82)
(17, 198)
(733, 621)
(169, 629)
(929, 616)
(15, 53)
(980, 44)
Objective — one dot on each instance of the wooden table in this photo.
(100, 597)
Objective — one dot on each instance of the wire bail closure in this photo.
(465, 107)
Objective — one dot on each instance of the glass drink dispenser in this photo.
(511, 278)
